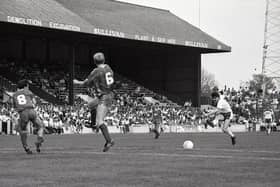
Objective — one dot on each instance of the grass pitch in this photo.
(139, 160)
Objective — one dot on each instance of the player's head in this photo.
(268, 108)
(215, 97)
(22, 84)
(99, 58)
(215, 89)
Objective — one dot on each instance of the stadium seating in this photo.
(133, 102)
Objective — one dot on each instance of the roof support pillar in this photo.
(23, 50)
(71, 74)
(197, 91)
(47, 52)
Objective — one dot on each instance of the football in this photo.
(188, 144)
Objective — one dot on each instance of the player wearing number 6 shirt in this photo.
(24, 102)
(101, 79)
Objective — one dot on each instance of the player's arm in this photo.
(13, 102)
(88, 80)
(32, 97)
(83, 83)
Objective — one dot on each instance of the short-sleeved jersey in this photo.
(157, 116)
(23, 100)
(268, 114)
(224, 106)
(102, 78)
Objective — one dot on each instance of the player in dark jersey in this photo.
(157, 120)
(102, 79)
(24, 101)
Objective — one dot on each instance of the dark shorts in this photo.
(106, 99)
(157, 121)
(267, 120)
(226, 116)
(29, 115)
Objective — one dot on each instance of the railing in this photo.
(7, 84)
(12, 79)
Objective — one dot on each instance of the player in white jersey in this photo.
(223, 108)
(268, 117)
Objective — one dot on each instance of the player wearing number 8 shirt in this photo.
(101, 79)
(24, 102)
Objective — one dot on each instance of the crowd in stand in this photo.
(126, 111)
(250, 104)
(52, 79)
(129, 108)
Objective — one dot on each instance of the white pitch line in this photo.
(171, 155)
(181, 149)
(19, 148)
(234, 150)
(197, 156)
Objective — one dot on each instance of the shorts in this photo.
(226, 116)
(29, 115)
(157, 121)
(106, 99)
(268, 120)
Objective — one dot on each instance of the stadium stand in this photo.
(134, 103)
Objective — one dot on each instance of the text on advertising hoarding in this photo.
(25, 21)
(106, 32)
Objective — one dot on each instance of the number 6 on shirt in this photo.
(109, 78)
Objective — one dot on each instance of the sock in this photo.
(40, 132)
(40, 139)
(92, 117)
(105, 132)
(157, 128)
(23, 137)
(229, 133)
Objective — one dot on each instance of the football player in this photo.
(223, 108)
(268, 116)
(157, 120)
(24, 103)
(102, 79)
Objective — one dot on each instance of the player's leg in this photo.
(40, 138)
(23, 137)
(39, 125)
(226, 130)
(101, 113)
(268, 127)
(93, 117)
(210, 122)
(156, 130)
(23, 132)
(102, 110)
(92, 105)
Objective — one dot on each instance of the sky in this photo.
(237, 23)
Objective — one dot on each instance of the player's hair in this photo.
(215, 94)
(22, 83)
(99, 58)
